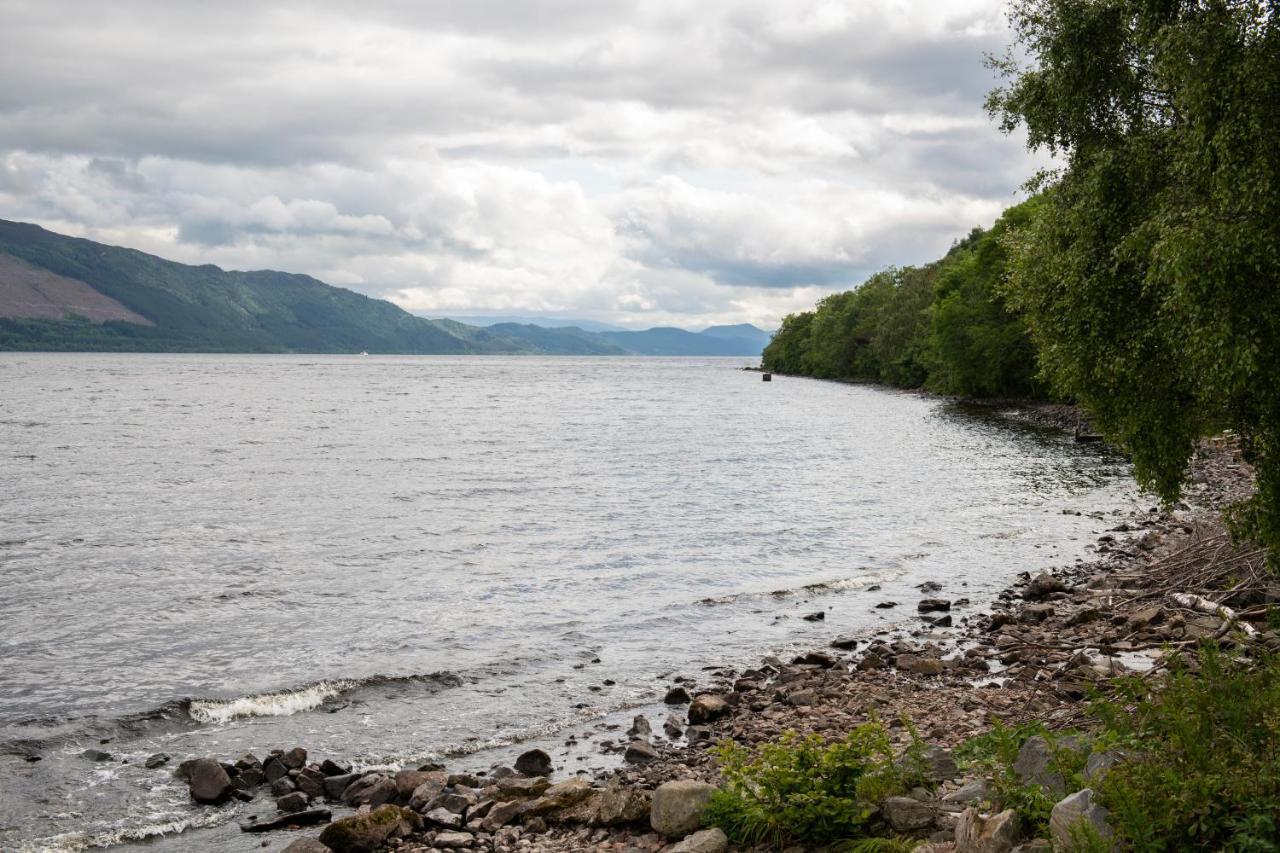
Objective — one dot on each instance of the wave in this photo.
(284, 703)
(73, 842)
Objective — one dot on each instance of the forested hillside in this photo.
(944, 326)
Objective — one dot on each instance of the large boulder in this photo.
(677, 807)
(535, 762)
(706, 841)
(207, 781)
(521, 788)
(560, 798)
(614, 805)
(640, 752)
(1077, 815)
(409, 781)
(998, 833)
(364, 833)
(707, 708)
(334, 786)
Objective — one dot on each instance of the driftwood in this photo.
(1204, 605)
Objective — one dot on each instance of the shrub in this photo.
(803, 789)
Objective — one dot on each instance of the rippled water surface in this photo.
(432, 554)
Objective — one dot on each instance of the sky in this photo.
(640, 163)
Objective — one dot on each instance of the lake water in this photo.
(394, 559)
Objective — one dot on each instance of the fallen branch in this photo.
(1204, 605)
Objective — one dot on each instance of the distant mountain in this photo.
(70, 294)
(533, 320)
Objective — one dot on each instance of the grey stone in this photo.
(1042, 586)
(907, 815)
(453, 840)
(335, 785)
(157, 760)
(640, 752)
(372, 790)
(444, 817)
(998, 833)
(677, 807)
(364, 833)
(974, 791)
(1076, 814)
(208, 782)
(677, 696)
(535, 762)
(706, 841)
(1033, 766)
(707, 708)
(295, 802)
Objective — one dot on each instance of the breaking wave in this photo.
(284, 703)
(861, 582)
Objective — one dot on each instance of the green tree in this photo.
(1151, 281)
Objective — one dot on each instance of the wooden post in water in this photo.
(767, 377)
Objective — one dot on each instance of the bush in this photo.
(803, 789)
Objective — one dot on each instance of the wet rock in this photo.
(1075, 813)
(815, 617)
(249, 778)
(640, 727)
(294, 759)
(821, 659)
(996, 834)
(1042, 586)
(157, 760)
(295, 802)
(673, 728)
(707, 708)
(208, 782)
(283, 786)
(334, 786)
(291, 820)
(677, 807)
(95, 755)
(372, 790)
(333, 768)
(907, 815)
(677, 696)
(942, 620)
(886, 605)
(311, 783)
(273, 768)
(535, 762)
(364, 833)
(844, 643)
(933, 605)
(706, 841)
(640, 752)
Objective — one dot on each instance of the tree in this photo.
(1151, 279)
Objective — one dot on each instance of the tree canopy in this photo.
(1150, 281)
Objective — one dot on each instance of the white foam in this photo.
(73, 842)
(280, 704)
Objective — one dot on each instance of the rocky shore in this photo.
(1152, 587)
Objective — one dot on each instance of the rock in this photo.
(208, 781)
(1042, 586)
(932, 605)
(1035, 845)
(640, 752)
(698, 734)
(937, 621)
(886, 605)
(640, 727)
(677, 807)
(280, 787)
(1033, 766)
(332, 768)
(870, 661)
(803, 698)
(677, 696)
(907, 815)
(996, 834)
(310, 782)
(706, 708)
(706, 841)
(451, 801)
(157, 760)
(295, 802)
(535, 762)
(294, 759)
(561, 797)
(453, 840)
(501, 814)
(423, 797)
(521, 788)
(1033, 613)
(1145, 618)
(974, 791)
(372, 790)
(466, 780)
(408, 782)
(815, 617)
(273, 768)
(1084, 616)
(335, 785)
(307, 845)
(96, 755)
(919, 665)
(1077, 814)
(938, 763)
(844, 643)
(444, 817)
(821, 659)
(363, 833)
(292, 820)
(1098, 763)
(673, 728)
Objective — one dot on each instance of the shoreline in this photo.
(952, 681)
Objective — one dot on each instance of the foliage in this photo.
(993, 754)
(944, 326)
(1203, 770)
(802, 789)
(1151, 279)
(876, 845)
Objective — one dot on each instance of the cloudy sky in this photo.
(643, 163)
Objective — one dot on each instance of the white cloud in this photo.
(634, 162)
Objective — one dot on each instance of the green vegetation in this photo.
(1197, 759)
(803, 789)
(944, 326)
(1151, 281)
